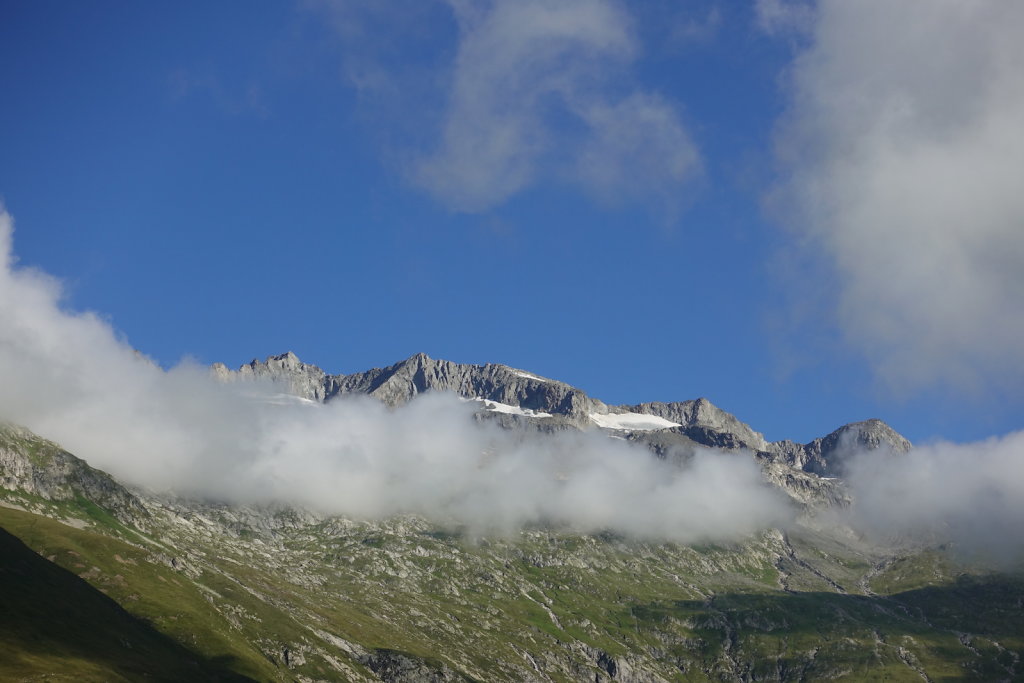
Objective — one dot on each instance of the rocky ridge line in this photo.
(700, 422)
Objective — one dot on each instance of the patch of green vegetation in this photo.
(76, 510)
(155, 594)
(53, 625)
(495, 608)
(99, 516)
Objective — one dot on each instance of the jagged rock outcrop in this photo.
(38, 467)
(805, 488)
(402, 381)
(400, 667)
(399, 383)
(705, 423)
(825, 456)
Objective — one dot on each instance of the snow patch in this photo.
(632, 421)
(520, 373)
(496, 407)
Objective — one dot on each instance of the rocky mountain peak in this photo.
(874, 433)
(418, 359)
(827, 455)
(285, 360)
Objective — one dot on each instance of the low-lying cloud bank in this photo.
(70, 377)
(969, 494)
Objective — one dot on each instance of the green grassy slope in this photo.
(54, 625)
(570, 607)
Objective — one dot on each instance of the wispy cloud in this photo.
(537, 91)
(905, 154)
(250, 99)
(696, 30)
(784, 16)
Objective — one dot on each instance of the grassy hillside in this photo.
(123, 587)
(347, 600)
(56, 626)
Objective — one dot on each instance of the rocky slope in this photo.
(42, 469)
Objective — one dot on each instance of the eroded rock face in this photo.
(400, 667)
(38, 467)
(826, 456)
(399, 383)
(402, 381)
(703, 422)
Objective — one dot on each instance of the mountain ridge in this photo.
(693, 422)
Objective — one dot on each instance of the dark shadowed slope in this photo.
(54, 623)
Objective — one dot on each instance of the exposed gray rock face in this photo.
(610, 668)
(826, 456)
(546, 425)
(402, 381)
(399, 383)
(807, 489)
(705, 423)
(400, 667)
(41, 468)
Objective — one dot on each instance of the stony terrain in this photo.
(282, 594)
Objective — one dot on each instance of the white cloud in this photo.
(69, 377)
(688, 30)
(906, 155)
(636, 149)
(970, 494)
(536, 90)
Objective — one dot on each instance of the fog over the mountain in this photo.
(71, 378)
(970, 494)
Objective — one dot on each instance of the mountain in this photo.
(520, 399)
(509, 391)
(106, 582)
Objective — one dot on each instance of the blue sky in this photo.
(806, 212)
